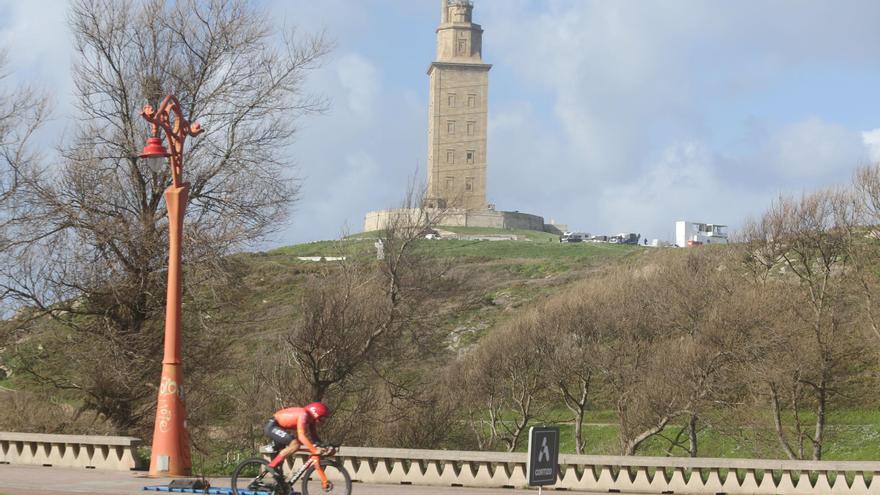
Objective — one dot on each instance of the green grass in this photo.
(351, 247)
(518, 250)
(851, 435)
(532, 235)
(543, 247)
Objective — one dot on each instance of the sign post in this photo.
(543, 462)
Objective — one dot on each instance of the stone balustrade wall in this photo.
(495, 469)
(604, 474)
(91, 452)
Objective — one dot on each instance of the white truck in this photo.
(689, 234)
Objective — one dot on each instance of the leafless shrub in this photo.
(504, 381)
(36, 413)
(363, 323)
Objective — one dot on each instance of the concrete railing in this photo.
(92, 452)
(610, 473)
(495, 469)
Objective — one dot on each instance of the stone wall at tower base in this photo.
(377, 220)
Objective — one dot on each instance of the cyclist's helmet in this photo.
(318, 411)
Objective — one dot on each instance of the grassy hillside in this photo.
(499, 279)
(500, 275)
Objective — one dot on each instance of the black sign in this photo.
(543, 467)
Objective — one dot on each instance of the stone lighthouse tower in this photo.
(457, 121)
(457, 111)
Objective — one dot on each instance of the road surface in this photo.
(37, 480)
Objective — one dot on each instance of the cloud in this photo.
(360, 80)
(871, 140)
(36, 40)
(678, 109)
(813, 148)
(360, 155)
(35, 36)
(682, 184)
(609, 116)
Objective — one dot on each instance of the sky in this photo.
(606, 115)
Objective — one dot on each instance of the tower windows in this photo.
(450, 156)
(470, 128)
(468, 184)
(472, 101)
(450, 183)
(461, 48)
(470, 156)
(451, 100)
(450, 127)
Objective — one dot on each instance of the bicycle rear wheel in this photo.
(255, 477)
(340, 481)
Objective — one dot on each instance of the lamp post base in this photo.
(170, 454)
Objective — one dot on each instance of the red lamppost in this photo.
(170, 453)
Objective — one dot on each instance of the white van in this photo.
(578, 237)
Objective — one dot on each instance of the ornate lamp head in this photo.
(155, 154)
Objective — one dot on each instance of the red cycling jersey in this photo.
(297, 417)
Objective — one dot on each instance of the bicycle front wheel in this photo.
(255, 477)
(340, 481)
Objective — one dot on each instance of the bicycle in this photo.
(255, 477)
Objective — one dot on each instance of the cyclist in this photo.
(302, 419)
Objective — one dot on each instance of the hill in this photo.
(498, 275)
(495, 296)
(493, 279)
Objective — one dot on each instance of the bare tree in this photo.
(803, 247)
(504, 381)
(91, 238)
(365, 329)
(570, 349)
(867, 186)
(672, 332)
(864, 240)
(24, 111)
(345, 311)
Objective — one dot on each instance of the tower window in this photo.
(469, 184)
(462, 47)
(451, 100)
(472, 100)
(450, 156)
(470, 128)
(470, 156)
(450, 183)
(450, 127)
